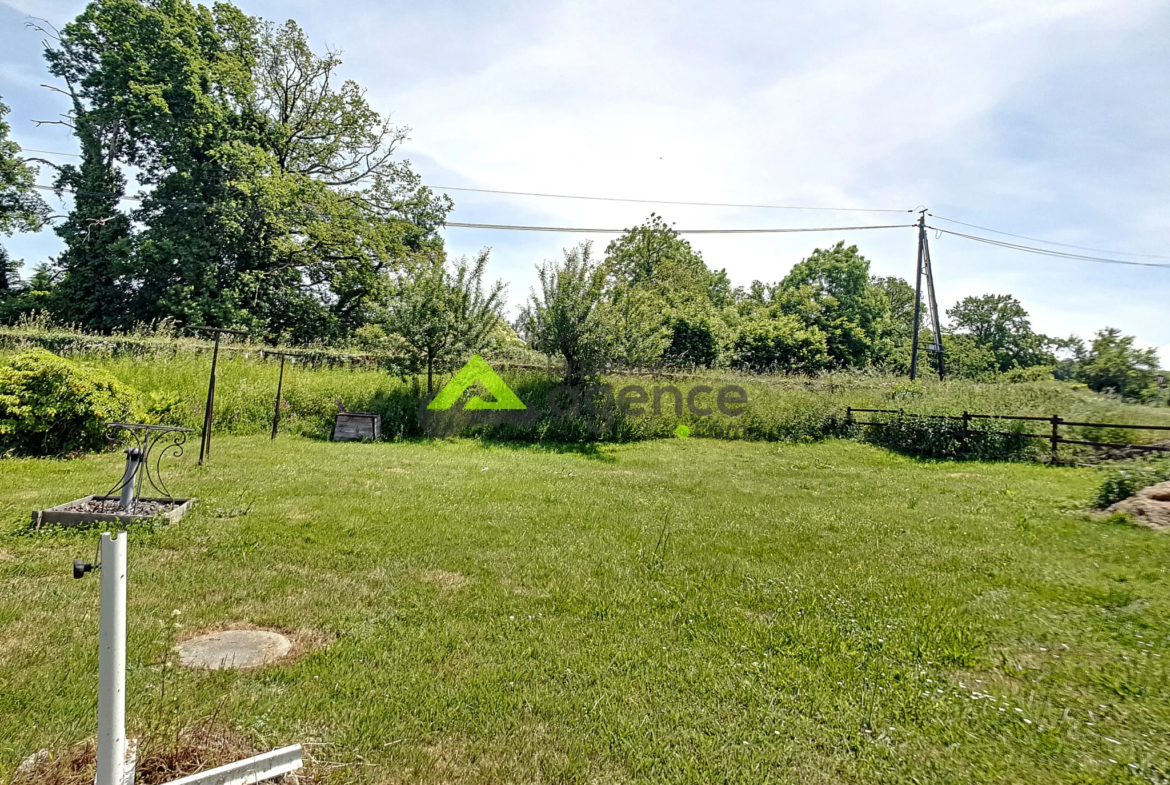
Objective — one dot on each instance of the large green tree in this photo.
(657, 265)
(999, 323)
(21, 208)
(831, 290)
(275, 201)
(1113, 363)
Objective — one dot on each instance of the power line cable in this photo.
(47, 152)
(584, 230)
(1047, 242)
(616, 198)
(668, 201)
(1047, 251)
(506, 227)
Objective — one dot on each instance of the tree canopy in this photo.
(275, 198)
(21, 207)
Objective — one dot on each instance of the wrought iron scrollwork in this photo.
(150, 444)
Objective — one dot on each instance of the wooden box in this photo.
(356, 427)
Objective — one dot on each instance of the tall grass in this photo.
(172, 374)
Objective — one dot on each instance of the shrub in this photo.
(1034, 373)
(781, 344)
(50, 406)
(1121, 482)
(942, 437)
(692, 343)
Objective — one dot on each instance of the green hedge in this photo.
(50, 406)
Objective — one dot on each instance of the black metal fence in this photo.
(1053, 436)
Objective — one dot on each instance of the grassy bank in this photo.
(671, 611)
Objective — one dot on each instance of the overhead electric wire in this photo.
(590, 230)
(617, 198)
(1047, 251)
(669, 201)
(48, 152)
(1047, 242)
(506, 227)
(593, 230)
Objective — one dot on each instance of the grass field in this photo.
(667, 611)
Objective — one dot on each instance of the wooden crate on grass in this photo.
(356, 426)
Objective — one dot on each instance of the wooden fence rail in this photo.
(1053, 436)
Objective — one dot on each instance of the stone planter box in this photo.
(61, 515)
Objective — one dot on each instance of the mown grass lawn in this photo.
(671, 611)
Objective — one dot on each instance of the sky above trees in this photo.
(1044, 119)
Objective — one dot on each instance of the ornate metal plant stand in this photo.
(124, 502)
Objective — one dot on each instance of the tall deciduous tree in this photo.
(831, 291)
(275, 201)
(21, 208)
(654, 259)
(1000, 323)
(1114, 363)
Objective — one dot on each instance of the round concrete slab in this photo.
(233, 649)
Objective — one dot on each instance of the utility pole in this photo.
(924, 266)
(917, 297)
(205, 444)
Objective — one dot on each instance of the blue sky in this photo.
(1046, 119)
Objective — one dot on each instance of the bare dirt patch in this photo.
(1150, 507)
(447, 582)
(161, 759)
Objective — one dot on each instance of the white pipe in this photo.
(111, 740)
(248, 771)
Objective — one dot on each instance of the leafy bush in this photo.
(1035, 373)
(942, 437)
(50, 406)
(692, 342)
(1121, 482)
(781, 344)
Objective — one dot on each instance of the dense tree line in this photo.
(652, 299)
(270, 198)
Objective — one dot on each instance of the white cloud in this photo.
(1041, 118)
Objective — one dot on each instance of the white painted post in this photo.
(111, 740)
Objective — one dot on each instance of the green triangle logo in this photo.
(477, 370)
